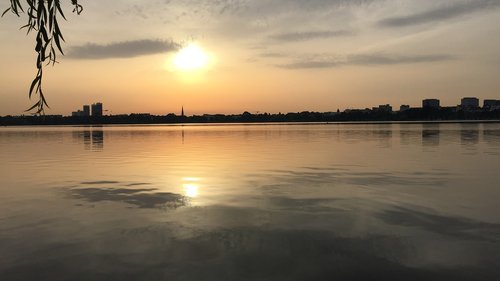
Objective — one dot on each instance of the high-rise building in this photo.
(430, 103)
(86, 110)
(97, 109)
(470, 103)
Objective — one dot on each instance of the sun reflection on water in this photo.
(190, 186)
(190, 190)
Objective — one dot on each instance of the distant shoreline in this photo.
(260, 123)
(414, 115)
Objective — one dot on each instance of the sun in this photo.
(190, 58)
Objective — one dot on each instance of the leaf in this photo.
(43, 31)
(32, 4)
(25, 26)
(42, 99)
(44, 11)
(58, 31)
(38, 46)
(44, 102)
(58, 44)
(16, 6)
(34, 83)
(33, 107)
(58, 6)
(5, 12)
(51, 19)
(20, 6)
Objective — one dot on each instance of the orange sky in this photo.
(268, 56)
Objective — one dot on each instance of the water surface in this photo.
(251, 202)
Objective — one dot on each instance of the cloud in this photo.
(272, 55)
(249, 20)
(441, 13)
(377, 59)
(309, 35)
(261, 7)
(125, 49)
(364, 60)
(311, 64)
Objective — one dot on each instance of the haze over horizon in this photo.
(267, 56)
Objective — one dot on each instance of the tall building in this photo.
(182, 111)
(97, 109)
(86, 110)
(82, 113)
(470, 103)
(430, 103)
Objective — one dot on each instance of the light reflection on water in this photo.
(191, 188)
(250, 202)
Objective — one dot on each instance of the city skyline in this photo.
(465, 102)
(267, 56)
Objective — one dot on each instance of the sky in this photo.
(260, 55)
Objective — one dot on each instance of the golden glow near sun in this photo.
(190, 58)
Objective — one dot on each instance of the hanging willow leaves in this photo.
(43, 18)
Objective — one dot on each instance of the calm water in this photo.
(256, 202)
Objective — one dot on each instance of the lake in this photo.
(251, 202)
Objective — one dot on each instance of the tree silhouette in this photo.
(43, 16)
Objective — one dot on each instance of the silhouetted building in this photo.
(469, 103)
(86, 110)
(330, 113)
(491, 104)
(182, 111)
(404, 107)
(430, 103)
(383, 108)
(82, 113)
(97, 109)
